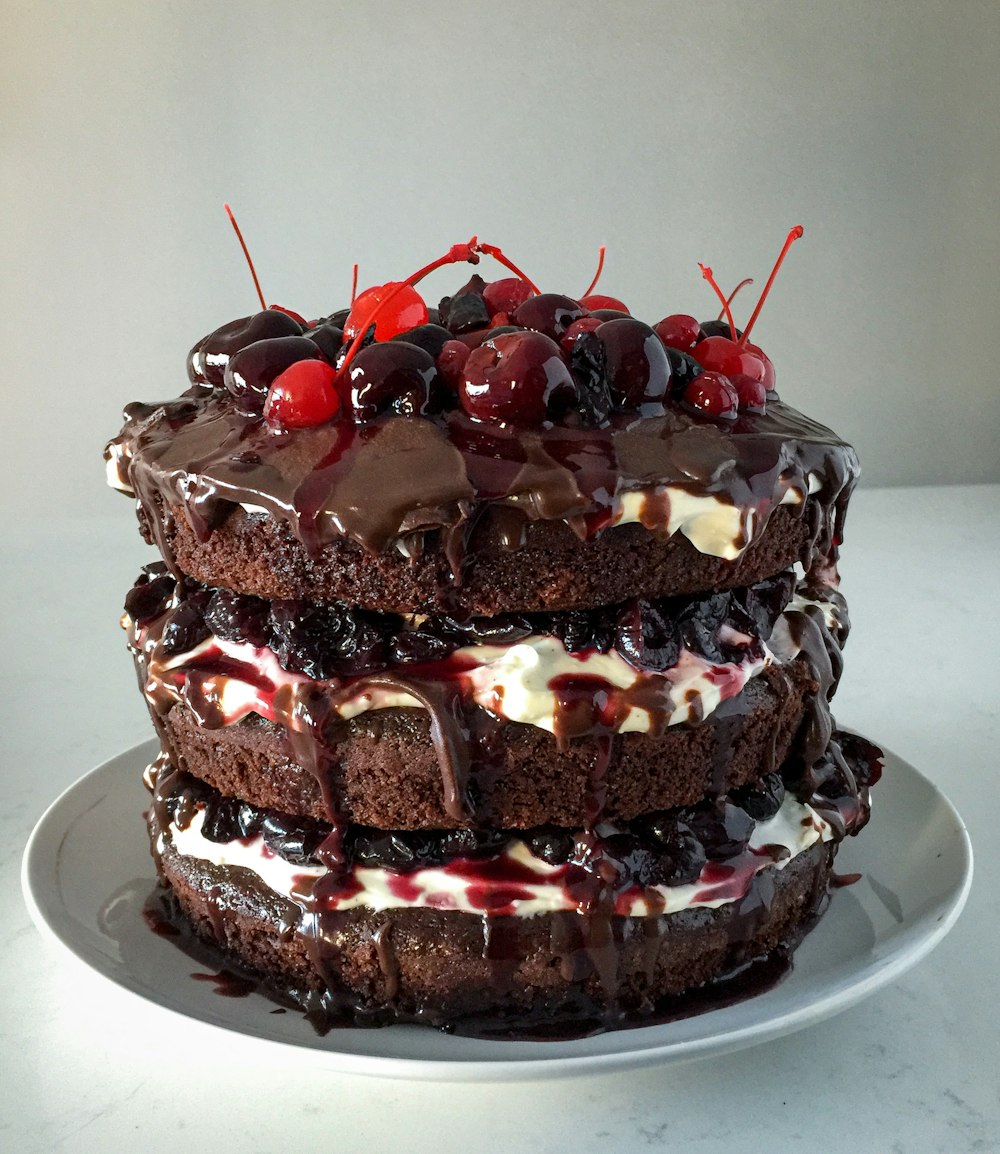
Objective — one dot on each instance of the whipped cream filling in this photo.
(514, 882)
(534, 681)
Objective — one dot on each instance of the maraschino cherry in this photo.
(302, 396)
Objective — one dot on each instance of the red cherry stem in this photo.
(706, 272)
(246, 253)
(729, 299)
(792, 237)
(457, 253)
(497, 254)
(597, 275)
(354, 285)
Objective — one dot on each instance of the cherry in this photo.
(390, 376)
(503, 296)
(599, 301)
(406, 310)
(302, 396)
(712, 393)
(517, 378)
(429, 337)
(548, 313)
(752, 394)
(718, 328)
(678, 331)
(768, 377)
(609, 314)
(467, 312)
(638, 369)
(451, 363)
(328, 338)
(577, 329)
(206, 362)
(251, 372)
(729, 358)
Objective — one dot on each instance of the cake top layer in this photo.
(389, 421)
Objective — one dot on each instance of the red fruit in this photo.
(678, 331)
(725, 356)
(577, 329)
(752, 394)
(599, 301)
(290, 313)
(302, 396)
(768, 377)
(406, 311)
(503, 296)
(451, 362)
(515, 378)
(712, 393)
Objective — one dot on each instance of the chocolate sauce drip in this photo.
(402, 477)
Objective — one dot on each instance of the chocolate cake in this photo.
(491, 653)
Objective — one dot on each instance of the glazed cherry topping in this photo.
(451, 363)
(430, 337)
(302, 396)
(678, 331)
(503, 296)
(728, 357)
(599, 301)
(406, 310)
(638, 369)
(390, 376)
(752, 394)
(520, 378)
(577, 329)
(208, 359)
(250, 372)
(548, 313)
(712, 393)
(328, 338)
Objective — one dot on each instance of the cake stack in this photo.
(490, 654)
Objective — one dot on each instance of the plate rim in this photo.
(512, 1068)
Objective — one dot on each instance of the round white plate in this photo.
(87, 872)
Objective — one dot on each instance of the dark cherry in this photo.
(207, 361)
(638, 369)
(588, 362)
(324, 641)
(337, 319)
(430, 337)
(646, 637)
(609, 314)
(713, 395)
(237, 618)
(762, 799)
(251, 371)
(600, 301)
(410, 646)
(294, 839)
(520, 378)
(752, 394)
(227, 818)
(718, 328)
(328, 338)
(472, 843)
(466, 313)
(504, 296)
(451, 364)
(552, 844)
(768, 378)
(402, 850)
(680, 855)
(577, 329)
(148, 597)
(722, 828)
(185, 629)
(679, 331)
(683, 369)
(390, 376)
(548, 313)
(699, 622)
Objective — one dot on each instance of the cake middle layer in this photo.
(507, 722)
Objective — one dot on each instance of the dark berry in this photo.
(548, 313)
(228, 818)
(472, 843)
(646, 637)
(328, 338)
(699, 623)
(208, 359)
(451, 366)
(763, 798)
(185, 629)
(588, 362)
(712, 395)
(718, 328)
(391, 376)
(683, 370)
(149, 597)
(303, 396)
(637, 863)
(763, 602)
(506, 629)
(609, 314)
(324, 641)
(250, 372)
(577, 329)
(430, 338)
(418, 645)
(237, 618)
(401, 850)
(467, 313)
(294, 839)
(638, 369)
(680, 857)
(553, 845)
(520, 378)
(504, 296)
(722, 828)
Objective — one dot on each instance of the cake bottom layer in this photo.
(467, 973)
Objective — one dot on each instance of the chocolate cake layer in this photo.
(410, 513)
(385, 770)
(437, 967)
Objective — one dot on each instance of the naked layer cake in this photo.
(491, 653)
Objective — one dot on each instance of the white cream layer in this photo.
(793, 829)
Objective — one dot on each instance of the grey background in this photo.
(384, 132)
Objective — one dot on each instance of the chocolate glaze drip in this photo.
(399, 478)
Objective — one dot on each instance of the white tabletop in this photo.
(84, 1066)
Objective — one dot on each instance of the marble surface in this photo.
(85, 1067)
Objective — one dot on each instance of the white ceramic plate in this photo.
(87, 872)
